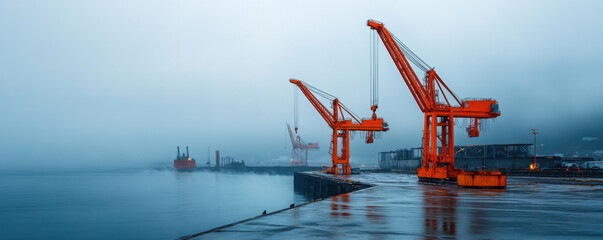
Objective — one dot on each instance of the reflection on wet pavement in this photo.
(340, 206)
(439, 211)
(401, 208)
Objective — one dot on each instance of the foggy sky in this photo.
(93, 84)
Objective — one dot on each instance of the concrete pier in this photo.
(318, 186)
(398, 207)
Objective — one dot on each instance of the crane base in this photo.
(482, 179)
(339, 171)
(438, 180)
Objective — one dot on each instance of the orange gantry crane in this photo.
(438, 163)
(341, 125)
(299, 156)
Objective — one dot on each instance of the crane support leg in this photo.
(305, 162)
(295, 157)
(438, 163)
(341, 160)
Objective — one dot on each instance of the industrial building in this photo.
(474, 157)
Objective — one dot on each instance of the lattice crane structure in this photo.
(342, 121)
(299, 155)
(438, 162)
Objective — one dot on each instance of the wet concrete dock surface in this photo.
(401, 208)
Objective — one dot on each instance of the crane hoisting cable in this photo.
(374, 73)
(295, 111)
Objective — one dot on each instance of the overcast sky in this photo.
(97, 84)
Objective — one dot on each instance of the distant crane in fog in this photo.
(299, 155)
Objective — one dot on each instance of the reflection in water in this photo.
(478, 218)
(374, 215)
(478, 212)
(375, 212)
(439, 205)
(340, 205)
(440, 210)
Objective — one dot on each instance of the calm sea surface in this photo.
(134, 204)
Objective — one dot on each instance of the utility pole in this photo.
(208, 162)
(534, 131)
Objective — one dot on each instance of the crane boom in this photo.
(425, 95)
(408, 74)
(293, 142)
(324, 112)
(341, 125)
(438, 165)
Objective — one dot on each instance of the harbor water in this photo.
(135, 203)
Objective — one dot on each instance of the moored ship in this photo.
(184, 162)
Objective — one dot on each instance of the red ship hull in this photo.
(184, 165)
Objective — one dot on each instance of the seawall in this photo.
(316, 186)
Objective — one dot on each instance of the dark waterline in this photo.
(134, 204)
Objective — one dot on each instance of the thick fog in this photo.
(103, 84)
